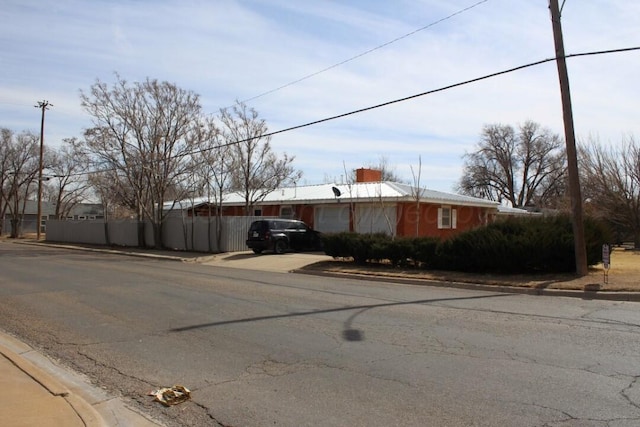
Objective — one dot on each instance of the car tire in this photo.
(257, 251)
(280, 247)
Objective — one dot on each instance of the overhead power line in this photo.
(366, 52)
(451, 86)
(395, 101)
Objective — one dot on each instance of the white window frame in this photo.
(447, 218)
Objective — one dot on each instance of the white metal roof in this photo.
(361, 192)
(508, 210)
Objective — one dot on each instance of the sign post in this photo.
(606, 261)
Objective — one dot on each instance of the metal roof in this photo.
(361, 192)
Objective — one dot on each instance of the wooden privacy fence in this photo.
(198, 234)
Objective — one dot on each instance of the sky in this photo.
(296, 62)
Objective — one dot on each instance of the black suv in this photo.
(281, 235)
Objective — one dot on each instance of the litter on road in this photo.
(169, 396)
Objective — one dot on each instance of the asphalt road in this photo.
(265, 348)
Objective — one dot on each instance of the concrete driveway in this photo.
(267, 262)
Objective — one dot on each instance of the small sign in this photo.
(606, 256)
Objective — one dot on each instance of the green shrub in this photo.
(360, 247)
(424, 251)
(597, 233)
(337, 244)
(514, 245)
(399, 251)
(520, 245)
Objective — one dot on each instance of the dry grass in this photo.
(623, 275)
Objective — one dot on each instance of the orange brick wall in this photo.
(408, 214)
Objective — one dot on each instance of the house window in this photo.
(446, 217)
(286, 212)
(257, 212)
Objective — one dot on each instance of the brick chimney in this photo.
(368, 175)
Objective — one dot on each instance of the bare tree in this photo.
(257, 169)
(68, 185)
(6, 137)
(144, 132)
(20, 165)
(118, 200)
(213, 169)
(611, 182)
(524, 167)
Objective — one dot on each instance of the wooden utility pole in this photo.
(570, 140)
(43, 105)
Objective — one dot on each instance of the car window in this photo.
(257, 226)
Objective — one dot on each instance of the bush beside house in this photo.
(515, 245)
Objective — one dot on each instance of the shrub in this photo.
(520, 245)
(399, 251)
(424, 251)
(360, 247)
(514, 245)
(337, 244)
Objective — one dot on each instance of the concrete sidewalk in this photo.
(35, 392)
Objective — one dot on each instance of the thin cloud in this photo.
(235, 50)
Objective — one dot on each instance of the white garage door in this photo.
(331, 219)
(376, 219)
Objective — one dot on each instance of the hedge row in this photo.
(515, 245)
(365, 248)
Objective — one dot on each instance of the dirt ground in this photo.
(623, 275)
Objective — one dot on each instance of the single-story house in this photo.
(368, 205)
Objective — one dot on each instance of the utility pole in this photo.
(43, 105)
(570, 140)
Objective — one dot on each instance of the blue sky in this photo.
(229, 50)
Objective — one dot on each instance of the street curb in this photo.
(583, 294)
(108, 250)
(89, 416)
(587, 295)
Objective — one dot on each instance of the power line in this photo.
(451, 86)
(308, 76)
(395, 101)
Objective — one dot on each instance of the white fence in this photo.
(198, 234)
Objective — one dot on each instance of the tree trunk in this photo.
(15, 227)
(107, 239)
(157, 235)
(141, 237)
(219, 232)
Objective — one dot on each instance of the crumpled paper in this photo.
(169, 396)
